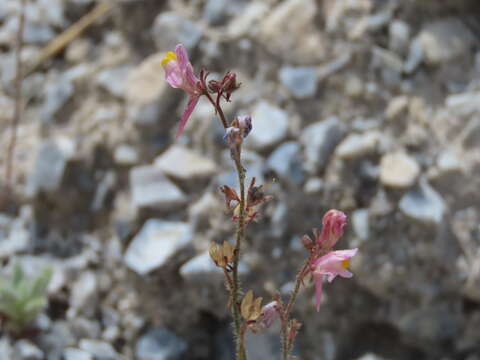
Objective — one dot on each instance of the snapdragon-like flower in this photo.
(333, 223)
(330, 265)
(238, 130)
(179, 74)
(269, 314)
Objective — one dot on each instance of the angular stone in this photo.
(83, 297)
(113, 80)
(399, 36)
(300, 81)
(182, 163)
(398, 170)
(319, 141)
(360, 223)
(170, 29)
(160, 344)
(126, 155)
(58, 91)
(445, 40)
(357, 145)
(50, 164)
(28, 351)
(151, 189)
(270, 125)
(423, 204)
(99, 349)
(286, 160)
(245, 20)
(155, 244)
(76, 354)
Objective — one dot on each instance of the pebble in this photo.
(155, 244)
(360, 223)
(170, 29)
(319, 141)
(150, 188)
(246, 20)
(415, 56)
(28, 351)
(423, 204)
(99, 349)
(125, 154)
(76, 354)
(313, 185)
(160, 344)
(398, 170)
(83, 296)
(51, 162)
(215, 11)
(113, 80)
(185, 164)
(396, 106)
(399, 36)
(357, 145)
(58, 91)
(286, 161)
(445, 40)
(270, 126)
(17, 240)
(449, 161)
(300, 81)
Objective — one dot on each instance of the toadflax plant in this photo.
(321, 263)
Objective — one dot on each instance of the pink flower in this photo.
(333, 223)
(179, 74)
(330, 265)
(269, 314)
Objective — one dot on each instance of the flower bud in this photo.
(214, 86)
(333, 223)
(307, 242)
(250, 308)
(230, 84)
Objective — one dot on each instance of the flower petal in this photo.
(192, 102)
(318, 290)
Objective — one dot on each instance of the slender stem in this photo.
(287, 343)
(240, 234)
(18, 95)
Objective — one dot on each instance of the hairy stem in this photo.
(240, 234)
(18, 95)
(286, 342)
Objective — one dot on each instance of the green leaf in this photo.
(41, 282)
(17, 274)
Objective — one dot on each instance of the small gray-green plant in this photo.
(22, 297)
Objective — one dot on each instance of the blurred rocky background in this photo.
(368, 106)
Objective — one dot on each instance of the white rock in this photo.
(155, 244)
(126, 155)
(398, 170)
(28, 351)
(286, 161)
(160, 344)
(399, 36)
(300, 81)
(445, 40)
(182, 163)
(245, 21)
(114, 80)
(357, 145)
(170, 29)
(360, 223)
(99, 349)
(423, 204)
(151, 189)
(270, 126)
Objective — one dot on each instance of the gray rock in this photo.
(360, 223)
(287, 162)
(99, 349)
(357, 145)
(464, 103)
(151, 189)
(76, 354)
(399, 36)
(155, 244)
(414, 58)
(270, 126)
(445, 40)
(113, 80)
(300, 81)
(319, 141)
(25, 350)
(160, 344)
(246, 19)
(58, 92)
(50, 164)
(83, 296)
(215, 11)
(398, 170)
(185, 164)
(17, 240)
(6, 351)
(169, 29)
(449, 161)
(423, 204)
